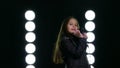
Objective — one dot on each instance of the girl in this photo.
(71, 45)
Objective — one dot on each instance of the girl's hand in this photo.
(85, 35)
(78, 34)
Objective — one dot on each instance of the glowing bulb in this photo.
(90, 15)
(29, 15)
(30, 37)
(89, 26)
(29, 26)
(30, 66)
(91, 59)
(90, 48)
(30, 59)
(30, 48)
(91, 37)
(91, 66)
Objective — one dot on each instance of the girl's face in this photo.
(72, 25)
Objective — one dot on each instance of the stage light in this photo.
(90, 48)
(30, 59)
(30, 66)
(91, 66)
(91, 37)
(29, 26)
(91, 59)
(90, 15)
(30, 48)
(29, 15)
(30, 37)
(89, 26)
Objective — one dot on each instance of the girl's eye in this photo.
(71, 24)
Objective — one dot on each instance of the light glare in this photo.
(30, 59)
(90, 48)
(29, 26)
(90, 15)
(30, 66)
(91, 66)
(91, 37)
(89, 26)
(30, 48)
(30, 37)
(91, 59)
(29, 15)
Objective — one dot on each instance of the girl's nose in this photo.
(73, 25)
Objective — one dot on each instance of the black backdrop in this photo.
(49, 15)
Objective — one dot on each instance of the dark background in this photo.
(49, 15)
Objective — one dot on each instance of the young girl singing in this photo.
(70, 47)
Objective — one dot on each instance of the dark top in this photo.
(74, 52)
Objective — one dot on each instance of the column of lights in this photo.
(30, 38)
(90, 26)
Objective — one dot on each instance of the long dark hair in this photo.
(57, 55)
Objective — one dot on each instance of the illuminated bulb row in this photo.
(90, 26)
(30, 38)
